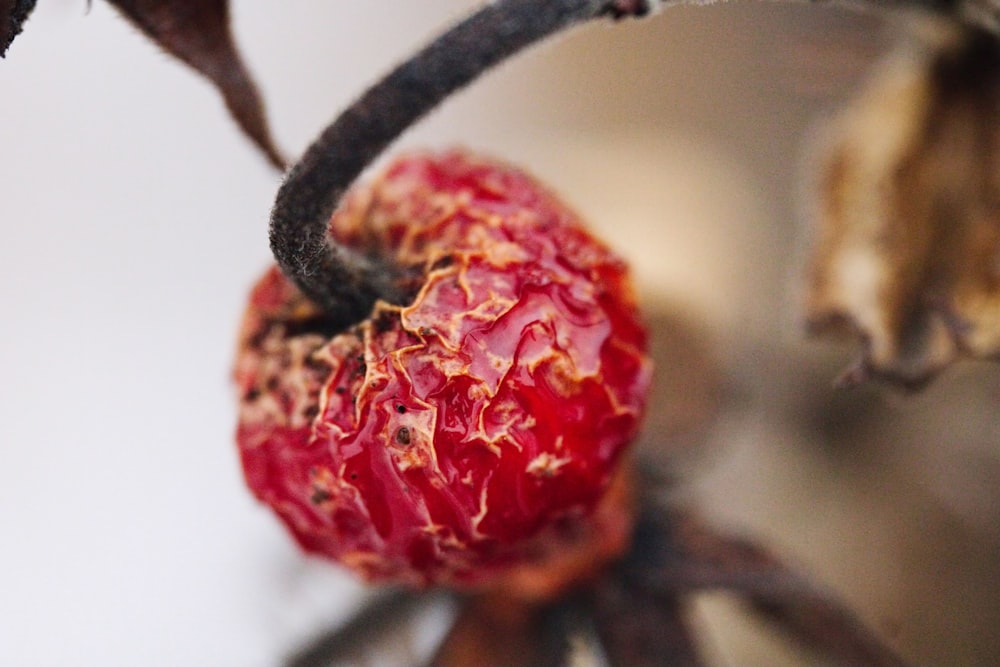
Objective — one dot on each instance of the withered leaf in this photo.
(13, 14)
(197, 32)
(908, 254)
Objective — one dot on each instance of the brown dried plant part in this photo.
(908, 254)
(197, 32)
(13, 14)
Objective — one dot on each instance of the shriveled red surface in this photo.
(476, 428)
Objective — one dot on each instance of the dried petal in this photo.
(13, 14)
(197, 32)
(909, 243)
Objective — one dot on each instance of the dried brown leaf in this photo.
(13, 14)
(197, 32)
(908, 255)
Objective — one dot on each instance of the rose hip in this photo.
(476, 431)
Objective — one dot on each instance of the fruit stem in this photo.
(345, 282)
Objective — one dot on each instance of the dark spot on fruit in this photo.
(443, 262)
(401, 409)
(252, 395)
(319, 496)
(316, 364)
(310, 412)
(256, 341)
(341, 390)
(272, 383)
(403, 435)
(324, 326)
(385, 321)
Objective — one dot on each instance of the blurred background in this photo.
(135, 219)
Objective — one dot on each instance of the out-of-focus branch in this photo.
(379, 617)
(682, 555)
(637, 628)
(497, 630)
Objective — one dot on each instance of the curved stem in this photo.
(345, 281)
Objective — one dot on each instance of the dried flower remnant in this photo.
(198, 34)
(13, 14)
(474, 431)
(908, 253)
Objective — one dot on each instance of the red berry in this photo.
(469, 433)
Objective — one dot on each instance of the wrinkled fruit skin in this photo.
(471, 431)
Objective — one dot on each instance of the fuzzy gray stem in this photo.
(345, 281)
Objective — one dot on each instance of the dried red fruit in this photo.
(473, 432)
